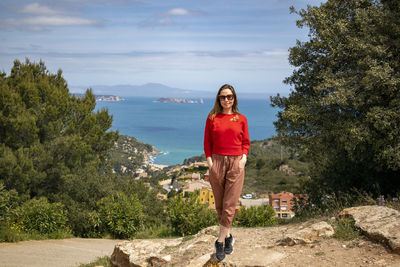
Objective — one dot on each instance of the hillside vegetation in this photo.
(58, 160)
(339, 129)
(272, 167)
(127, 154)
(343, 111)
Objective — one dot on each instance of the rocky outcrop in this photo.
(259, 246)
(307, 235)
(195, 251)
(142, 252)
(381, 224)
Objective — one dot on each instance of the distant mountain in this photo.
(146, 90)
(158, 90)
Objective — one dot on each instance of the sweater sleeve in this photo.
(208, 138)
(245, 138)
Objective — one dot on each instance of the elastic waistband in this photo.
(226, 156)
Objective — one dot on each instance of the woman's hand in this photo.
(209, 162)
(242, 161)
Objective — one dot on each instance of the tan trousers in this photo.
(226, 179)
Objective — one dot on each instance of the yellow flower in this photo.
(236, 118)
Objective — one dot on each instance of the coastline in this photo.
(149, 158)
(179, 139)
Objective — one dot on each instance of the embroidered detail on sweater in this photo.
(236, 118)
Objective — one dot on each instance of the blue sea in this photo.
(177, 129)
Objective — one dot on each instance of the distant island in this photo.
(110, 98)
(178, 100)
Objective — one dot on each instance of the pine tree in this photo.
(47, 135)
(344, 108)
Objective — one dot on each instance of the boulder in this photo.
(381, 224)
(307, 235)
(140, 252)
(192, 251)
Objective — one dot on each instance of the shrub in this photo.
(38, 215)
(8, 201)
(188, 216)
(121, 215)
(345, 229)
(85, 223)
(391, 202)
(101, 261)
(256, 216)
(321, 203)
(155, 231)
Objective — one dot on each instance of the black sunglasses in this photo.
(223, 97)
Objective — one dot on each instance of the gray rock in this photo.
(138, 253)
(381, 224)
(307, 235)
(193, 251)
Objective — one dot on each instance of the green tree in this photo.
(256, 216)
(46, 134)
(38, 215)
(188, 216)
(121, 215)
(344, 109)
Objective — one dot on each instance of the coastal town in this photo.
(136, 160)
(192, 178)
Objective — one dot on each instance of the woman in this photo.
(226, 145)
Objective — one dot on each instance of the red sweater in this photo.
(226, 134)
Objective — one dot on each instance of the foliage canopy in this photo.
(344, 109)
(47, 136)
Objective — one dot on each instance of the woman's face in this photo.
(226, 99)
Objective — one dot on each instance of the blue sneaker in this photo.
(229, 241)
(220, 253)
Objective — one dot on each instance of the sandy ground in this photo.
(258, 247)
(55, 253)
(253, 247)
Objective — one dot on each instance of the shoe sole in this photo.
(219, 259)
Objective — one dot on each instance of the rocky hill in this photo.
(309, 243)
(128, 154)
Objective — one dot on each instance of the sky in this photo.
(194, 45)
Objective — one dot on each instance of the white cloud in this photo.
(183, 12)
(37, 9)
(178, 12)
(166, 18)
(58, 21)
(275, 53)
(39, 23)
(38, 17)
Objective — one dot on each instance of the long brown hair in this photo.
(217, 105)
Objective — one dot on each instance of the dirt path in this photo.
(54, 253)
(326, 252)
(258, 247)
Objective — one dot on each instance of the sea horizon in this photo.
(177, 129)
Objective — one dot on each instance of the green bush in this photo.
(38, 215)
(101, 261)
(330, 204)
(85, 223)
(155, 231)
(256, 216)
(121, 215)
(188, 216)
(345, 229)
(8, 201)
